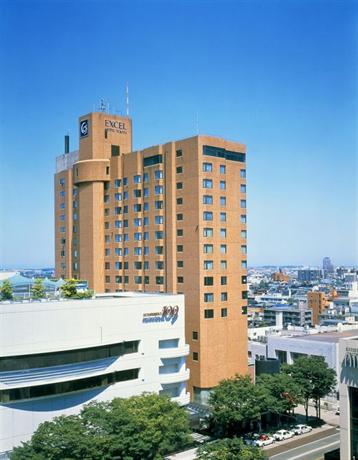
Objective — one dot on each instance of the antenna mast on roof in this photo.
(127, 100)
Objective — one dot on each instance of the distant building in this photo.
(348, 397)
(327, 266)
(318, 303)
(309, 274)
(284, 315)
(22, 285)
(56, 356)
(280, 277)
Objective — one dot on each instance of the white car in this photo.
(280, 435)
(263, 440)
(301, 429)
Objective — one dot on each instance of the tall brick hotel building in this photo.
(169, 218)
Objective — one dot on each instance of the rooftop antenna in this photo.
(127, 100)
(102, 106)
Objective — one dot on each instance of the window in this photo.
(118, 279)
(180, 248)
(137, 251)
(224, 312)
(159, 280)
(138, 280)
(146, 206)
(207, 199)
(117, 210)
(159, 205)
(107, 279)
(146, 177)
(125, 251)
(223, 233)
(137, 193)
(195, 335)
(207, 183)
(125, 181)
(146, 265)
(244, 279)
(180, 232)
(107, 169)
(243, 188)
(222, 169)
(243, 234)
(244, 294)
(146, 280)
(223, 217)
(158, 174)
(195, 356)
(145, 221)
(179, 185)
(179, 153)
(137, 222)
(118, 224)
(222, 185)
(62, 206)
(180, 263)
(243, 203)
(207, 167)
(244, 264)
(153, 160)
(146, 236)
(243, 218)
(180, 279)
(62, 193)
(223, 296)
(159, 250)
(114, 150)
(118, 196)
(223, 248)
(106, 225)
(137, 207)
(179, 216)
(179, 169)
(208, 264)
(208, 281)
(117, 183)
(208, 297)
(118, 251)
(243, 249)
(208, 232)
(222, 201)
(158, 189)
(223, 280)
(159, 220)
(146, 192)
(126, 279)
(208, 314)
(107, 252)
(137, 179)
(117, 266)
(137, 236)
(208, 248)
(243, 173)
(179, 200)
(62, 217)
(220, 152)
(159, 235)
(207, 215)
(62, 182)
(223, 264)
(159, 265)
(125, 237)
(146, 250)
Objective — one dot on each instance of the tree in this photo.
(38, 290)
(236, 401)
(141, 427)
(229, 449)
(314, 377)
(69, 290)
(286, 392)
(6, 290)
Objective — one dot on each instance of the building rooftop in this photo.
(330, 337)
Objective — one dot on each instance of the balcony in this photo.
(174, 352)
(174, 377)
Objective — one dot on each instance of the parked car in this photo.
(280, 435)
(251, 438)
(264, 440)
(301, 429)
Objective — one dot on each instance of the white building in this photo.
(348, 390)
(56, 356)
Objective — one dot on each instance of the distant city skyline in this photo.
(269, 74)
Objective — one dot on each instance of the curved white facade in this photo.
(56, 356)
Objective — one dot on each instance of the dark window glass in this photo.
(60, 358)
(179, 153)
(208, 314)
(208, 280)
(153, 160)
(115, 150)
(223, 153)
(195, 335)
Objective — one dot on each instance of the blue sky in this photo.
(279, 76)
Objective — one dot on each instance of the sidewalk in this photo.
(329, 417)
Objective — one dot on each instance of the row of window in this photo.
(137, 265)
(208, 232)
(138, 179)
(138, 251)
(209, 264)
(159, 280)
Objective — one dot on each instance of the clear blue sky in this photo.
(280, 76)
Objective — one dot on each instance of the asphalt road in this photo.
(309, 451)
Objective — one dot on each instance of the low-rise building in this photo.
(284, 315)
(57, 356)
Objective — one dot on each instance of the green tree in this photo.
(286, 392)
(38, 290)
(237, 401)
(314, 377)
(69, 288)
(229, 449)
(6, 290)
(141, 427)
